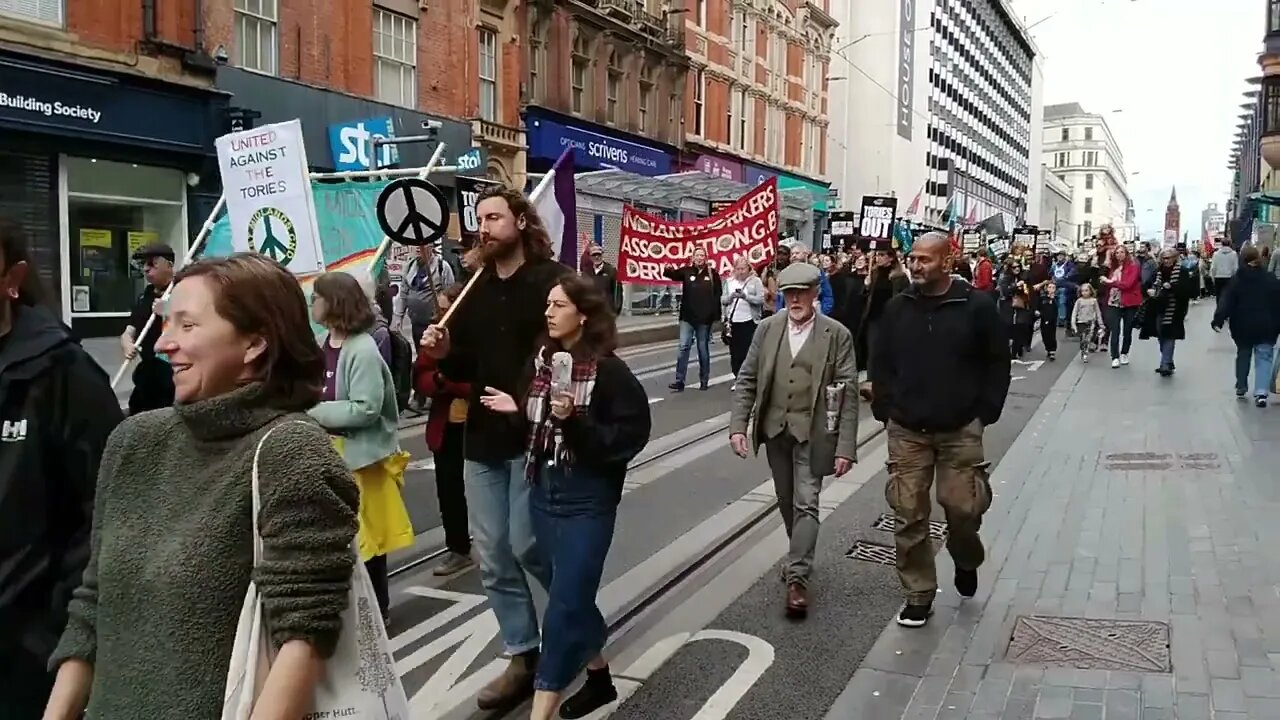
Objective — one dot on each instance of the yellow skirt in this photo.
(384, 519)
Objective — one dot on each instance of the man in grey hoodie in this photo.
(1223, 268)
(425, 276)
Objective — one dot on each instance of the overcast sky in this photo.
(1177, 71)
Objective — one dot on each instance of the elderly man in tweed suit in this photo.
(796, 395)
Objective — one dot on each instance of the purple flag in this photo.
(556, 201)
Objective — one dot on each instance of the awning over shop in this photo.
(670, 191)
(796, 203)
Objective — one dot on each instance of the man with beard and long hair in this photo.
(488, 343)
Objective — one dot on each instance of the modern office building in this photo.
(940, 100)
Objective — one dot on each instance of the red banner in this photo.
(747, 228)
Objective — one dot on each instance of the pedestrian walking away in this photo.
(939, 376)
(1251, 304)
(796, 397)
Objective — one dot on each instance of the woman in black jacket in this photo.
(56, 411)
(580, 438)
(1251, 303)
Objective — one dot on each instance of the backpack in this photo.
(401, 369)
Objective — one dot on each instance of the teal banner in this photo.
(347, 221)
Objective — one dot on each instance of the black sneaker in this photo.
(914, 616)
(676, 387)
(1240, 394)
(1052, 356)
(1260, 401)
(704, 387)
(967, 582)
(594, 694)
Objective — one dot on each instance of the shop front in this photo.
(719, 166)
(810, 233)
(595, 147)
(337, 127)
(93, 165)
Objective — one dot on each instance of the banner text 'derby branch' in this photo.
(747, 228)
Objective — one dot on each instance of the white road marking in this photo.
(655, 400)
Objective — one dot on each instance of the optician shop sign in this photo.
(48, 98)
(594, 150)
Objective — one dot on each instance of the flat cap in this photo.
(153, 250)
(798, 276)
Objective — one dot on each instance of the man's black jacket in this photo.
(940, 362)
(57, 409)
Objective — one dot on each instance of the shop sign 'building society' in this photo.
(93, 165)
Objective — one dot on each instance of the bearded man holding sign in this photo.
(489, 343)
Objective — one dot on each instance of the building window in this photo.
(739, 122)
(1090, 158)
(47, 12)
(613, 90)
(1066, 134)
(1088, 205)
(1061, 159)
(1088, 181)
(395, 55)
(645, 99)
(580, 70)
(1088, 133)
(112, 210)
(488, 72)
(700, 12)
(1087, 228)
(1271, 105)
(741, 29)
(537, 57)
(699, 103)
(255, 30)
(1273, 16)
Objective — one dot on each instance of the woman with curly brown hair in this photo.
(579, 441)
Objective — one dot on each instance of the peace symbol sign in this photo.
(412, 211)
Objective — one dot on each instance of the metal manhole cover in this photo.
(1137, 456)
(1200, 466)
(871, 552)
(1091, 644)
(1197, 457)
(1139, 466)
(889, 523)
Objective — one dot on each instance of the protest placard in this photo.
(268, 193)
(747, 228)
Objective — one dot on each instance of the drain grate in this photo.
(889, 523)
(871, 552)
(1091, 643)
(1139, 461)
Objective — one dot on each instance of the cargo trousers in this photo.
(956, 459)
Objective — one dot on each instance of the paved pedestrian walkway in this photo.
(1132, 569)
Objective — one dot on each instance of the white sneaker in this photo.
(1084, 357)
(1124, 359)
(1115, 363)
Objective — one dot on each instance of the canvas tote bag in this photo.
(358, 683)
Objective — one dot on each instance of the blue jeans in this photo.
(1262, 357)
(688, 333)
(1064, 304)
(573, 516)
(1120, 327)
(502, 534)
(1166, 353)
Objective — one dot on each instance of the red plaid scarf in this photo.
(546, 439)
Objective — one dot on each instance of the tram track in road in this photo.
(634, 613)
(665, 446)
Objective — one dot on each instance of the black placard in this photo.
(875, 222)
(844, 229)
(412, 211)
(468, 191)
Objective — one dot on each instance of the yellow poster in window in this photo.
(90, 237)
(137, 240)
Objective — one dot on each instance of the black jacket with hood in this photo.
(56, 411)
(940, 363)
